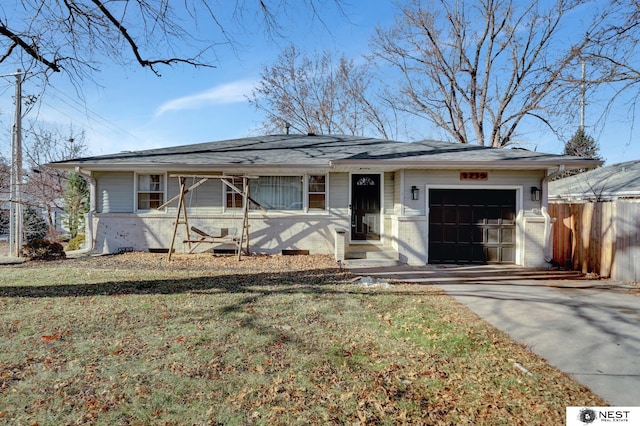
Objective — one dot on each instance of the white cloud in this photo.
(223, 94)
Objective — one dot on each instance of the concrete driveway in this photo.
(589, 329)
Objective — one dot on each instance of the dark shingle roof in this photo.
(620, 180)
(309, 150)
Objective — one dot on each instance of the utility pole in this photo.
(582, 97)
(15, 198)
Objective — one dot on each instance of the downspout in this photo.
(89, 218)
(548, 253)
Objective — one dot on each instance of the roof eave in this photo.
(493, 164)
(584, 196)
(338, 164)
(178, 166)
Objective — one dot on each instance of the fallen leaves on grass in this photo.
(267, 340)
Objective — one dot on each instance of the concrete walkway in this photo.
(7, 260)
(589, 329)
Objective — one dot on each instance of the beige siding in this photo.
(206, 198)
(114, 192)
(389, 182)
(339, 191)
(397, 193)
(388, 207)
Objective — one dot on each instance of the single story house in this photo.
(425, 202)
(615, 182)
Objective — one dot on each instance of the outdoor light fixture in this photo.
(535, 193)
(415, 192)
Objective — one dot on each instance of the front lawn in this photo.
(133, 340)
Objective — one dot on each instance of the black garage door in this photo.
(472, 226)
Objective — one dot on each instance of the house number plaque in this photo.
(474, 175)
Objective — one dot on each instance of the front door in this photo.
(365, 207)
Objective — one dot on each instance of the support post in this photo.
(182, 208)
(244, 233)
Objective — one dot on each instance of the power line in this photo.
(87, 112)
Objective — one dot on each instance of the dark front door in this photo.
(472, 226)
(365, 207)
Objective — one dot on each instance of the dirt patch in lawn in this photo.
(202, 261)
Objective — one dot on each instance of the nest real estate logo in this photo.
(581, 416)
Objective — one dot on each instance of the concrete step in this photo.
(392, 255)
(369, 263)
(371, 255)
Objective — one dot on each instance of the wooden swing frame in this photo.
(205, 238)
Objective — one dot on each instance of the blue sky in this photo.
(130, 108)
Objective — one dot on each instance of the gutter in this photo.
(89, 217)
(187, 167)
(447, 163)
(548, 253)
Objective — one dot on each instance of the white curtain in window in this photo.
(150, 183)
(278, 192)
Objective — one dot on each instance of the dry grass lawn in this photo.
(133, 340)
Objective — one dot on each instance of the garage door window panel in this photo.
(492, 254)
(493, 235)
(507, 235)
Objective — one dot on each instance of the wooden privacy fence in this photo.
(601, 238)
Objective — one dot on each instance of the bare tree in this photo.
(5, 173)
(44, 187)
(318, 93)
(613, 58)
(75, 36)
(613, 53)
(478, 68)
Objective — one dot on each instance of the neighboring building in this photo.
(610, 183)
(427, 202)
(597, 215)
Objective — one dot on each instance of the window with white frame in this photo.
(234, 198)
(317, 192)
(283, 193)
(150, 191)
(278, 192)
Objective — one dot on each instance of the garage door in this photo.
(472, 226)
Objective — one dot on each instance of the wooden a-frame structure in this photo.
(204, 238)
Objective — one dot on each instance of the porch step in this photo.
(369, 263)
(371, 256)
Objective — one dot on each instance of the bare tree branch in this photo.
(28, 48)
(478, 68)
(77, 36)
(317, 93)
(44, 144)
